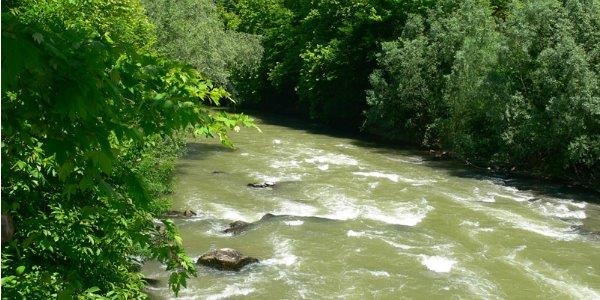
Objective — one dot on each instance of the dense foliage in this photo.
(91, 120)
(318, 54)
(519, 92)
(505, 83)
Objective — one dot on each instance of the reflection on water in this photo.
(362, 221)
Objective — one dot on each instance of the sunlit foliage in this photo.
(88, 112)
(194, 31)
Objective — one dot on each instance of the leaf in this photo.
(20, 270)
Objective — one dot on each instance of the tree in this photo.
(194, 32)
(552, 116)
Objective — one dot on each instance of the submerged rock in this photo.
(262, 185)
(180, 214)
(225, 259)
(151, 281)
(237, 227)
(268, 216)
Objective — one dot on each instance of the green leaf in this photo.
(20, 270)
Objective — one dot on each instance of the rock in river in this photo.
(180, 214)
(225, 259)
(261, 185)
(237, 227)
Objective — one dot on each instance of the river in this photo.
(369, 222)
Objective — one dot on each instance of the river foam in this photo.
(283, 253)
(404, 213)
(548, 275)
(438, 264)
(332, 159)
(294, 223)
(231, 291)
(517, 220)
(392, 177)
(395, 177)
(560, 209)
(295, 208)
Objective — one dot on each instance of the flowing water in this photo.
(368, 222)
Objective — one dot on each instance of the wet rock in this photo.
(439, 155)
(263, 185)
(225, 259)
(180, 214)
(237, 227)
(137, 263)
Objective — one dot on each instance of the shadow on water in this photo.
(304, 125)
(199, 151)
(538, 186)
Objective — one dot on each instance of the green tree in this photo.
(403, 99)
(193, 31)
(85, 102)
(475, 120)
(552, 116)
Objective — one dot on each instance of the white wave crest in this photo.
(333, 159)
(392, 177)
(283, 253)
(230, 291)
(294, 223)
(438, 264)
(289, 207)
(407, 214)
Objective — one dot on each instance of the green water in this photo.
(367, 222)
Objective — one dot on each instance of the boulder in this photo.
(237, 227)
(262, 185)
(225, 259)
